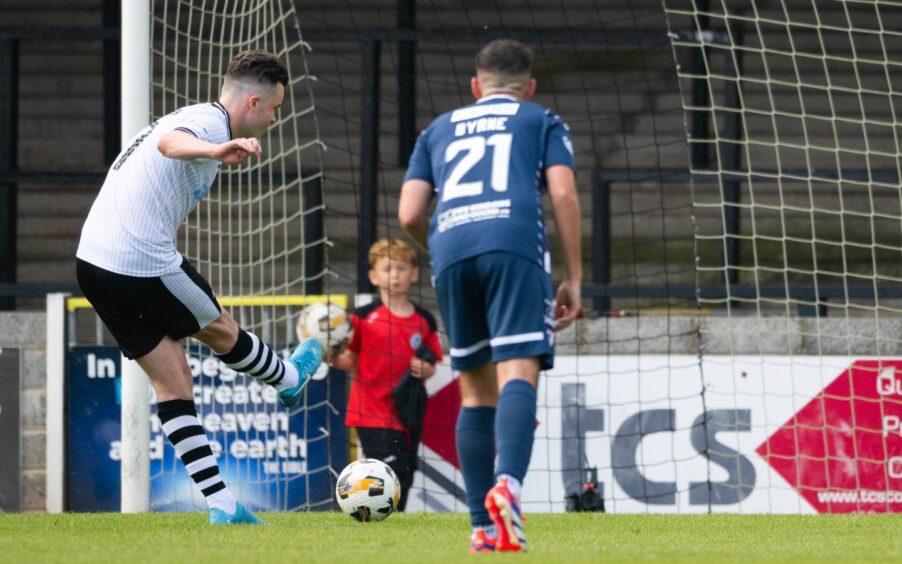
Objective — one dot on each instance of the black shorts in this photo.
(395, 448)
(139, 312)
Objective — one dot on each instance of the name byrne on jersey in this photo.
(493, 123)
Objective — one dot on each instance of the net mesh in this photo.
(743, 307)
(257, 238)
(793, 133)
(803, 149)
(607, 68)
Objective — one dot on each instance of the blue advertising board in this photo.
(273, 459)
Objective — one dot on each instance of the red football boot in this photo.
(481, 542)
(504, 510)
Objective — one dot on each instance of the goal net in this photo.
(258, 238)
(609, 71)
(737, 164)
(796, 195)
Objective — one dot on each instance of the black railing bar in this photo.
(97, 178)
(715, 291)
(53, 33)
(425, 35)
(567, 36)
(37, 290)
(788, 175)
(609, 175)
(47, 177)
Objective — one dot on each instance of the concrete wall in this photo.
(27, 332)
(718, 335)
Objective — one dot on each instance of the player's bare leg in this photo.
(170, 376)
(479, 387)
(168, 371)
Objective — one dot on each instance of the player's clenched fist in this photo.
(237, 151)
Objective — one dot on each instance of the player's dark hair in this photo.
(505, 57)
(259, 65)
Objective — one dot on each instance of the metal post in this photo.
(314, 254)
(56, 402)
(98, 330)
(71, 327)
(700, 96)
(407, 93)
(369, 153)
(601, 241)
(135, 469)
(112, 106)
(9, 155)
(135, 69)
(135, 451)
(731, 151)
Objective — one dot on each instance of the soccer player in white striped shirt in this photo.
(150, 297)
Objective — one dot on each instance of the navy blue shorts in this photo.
(497, 306)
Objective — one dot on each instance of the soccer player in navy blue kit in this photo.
(488, 165)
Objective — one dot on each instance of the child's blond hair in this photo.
(394, 249)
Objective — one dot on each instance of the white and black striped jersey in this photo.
(146, 197)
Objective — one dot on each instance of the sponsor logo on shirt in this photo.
(473, 112)
(462, 215)
(201, 192)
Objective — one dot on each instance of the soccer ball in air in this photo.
(325, 322)
(368, 490)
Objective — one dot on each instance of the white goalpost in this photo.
(135, 452)
(135, 427)
(56, 401)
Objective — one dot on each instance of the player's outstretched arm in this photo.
(184, 146)
(565, 202)
(415, 196)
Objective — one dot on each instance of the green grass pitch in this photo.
(435, 538)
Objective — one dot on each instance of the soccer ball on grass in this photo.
(368, 490)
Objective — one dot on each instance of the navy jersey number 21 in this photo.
(486, 162)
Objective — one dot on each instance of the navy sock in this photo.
(476, 452)
(515, 427)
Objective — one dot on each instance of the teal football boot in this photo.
(306, 358)
(242, 516)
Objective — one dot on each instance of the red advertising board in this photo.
(843, 450)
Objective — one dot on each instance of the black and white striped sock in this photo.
(183, 428)
(254, 358)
